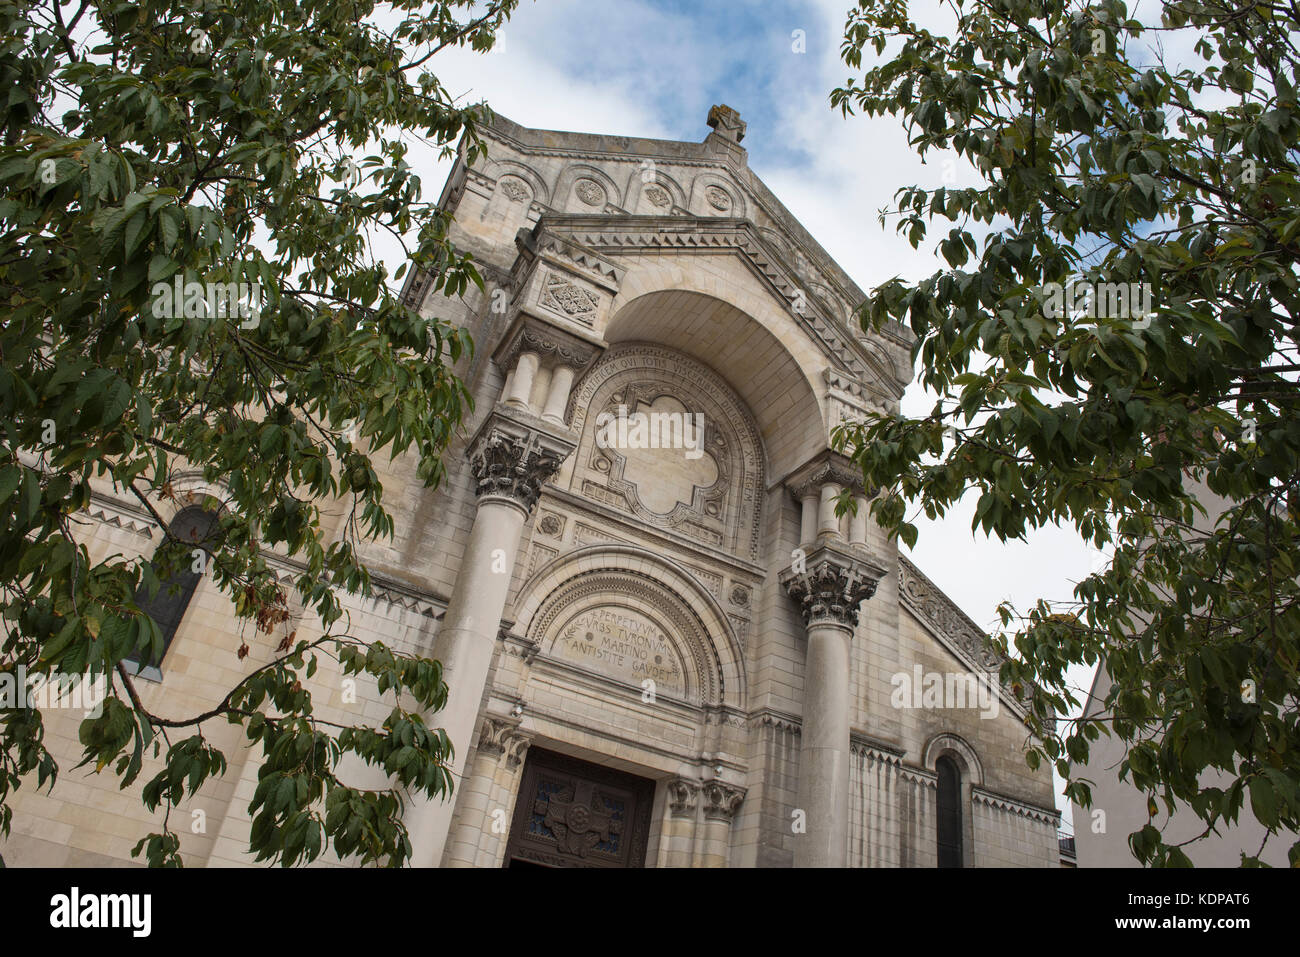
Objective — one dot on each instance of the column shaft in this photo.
(558, 396)
(521, 382)
(829, 522)
(858, 524)
(808, 519)
(465, 645)
(824, 753)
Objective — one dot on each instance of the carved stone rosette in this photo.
(501, 737)
(830, 584)
(721, 801)
(514, 455)
(682, 797)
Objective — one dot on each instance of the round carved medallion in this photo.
(590, 192)
(579, 817)
(718, 198)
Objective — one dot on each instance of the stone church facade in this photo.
(657, 656)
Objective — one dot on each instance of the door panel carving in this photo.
(574, 814)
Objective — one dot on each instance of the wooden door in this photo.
(572, 813)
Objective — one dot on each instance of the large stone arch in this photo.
(747, 339)
(654, 589)
(954, 746)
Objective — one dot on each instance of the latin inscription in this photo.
(624, 645)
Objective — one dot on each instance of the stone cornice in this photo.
(127, 515)
(122, 515)
(1015, 806)
(541, 243)
(860, 742)
(780, 720)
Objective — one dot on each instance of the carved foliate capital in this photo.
(830, 583)
(721, 801)
(514, 454)
(501, 737)
(683, 795)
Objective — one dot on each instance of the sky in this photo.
(653, 68)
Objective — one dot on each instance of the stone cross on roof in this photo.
(727, 122)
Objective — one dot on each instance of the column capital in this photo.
(721, 800)
(502, 737)
(515, 453)
(830, 582)
(683, 795)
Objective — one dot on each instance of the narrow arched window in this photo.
(193, 527)
(949, 812)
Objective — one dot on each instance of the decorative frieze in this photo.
(519, 646)
(1012, 806)
(554, 346)
(938, 613)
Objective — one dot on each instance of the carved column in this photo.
(487, 803)
(512, 456)
(721, 801)
(828, 589)
(677, 840)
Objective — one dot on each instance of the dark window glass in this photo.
(949, 800)
(167, 608)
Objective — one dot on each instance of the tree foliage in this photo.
(175, 144)
(1111, 151)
